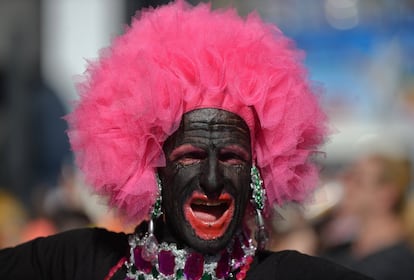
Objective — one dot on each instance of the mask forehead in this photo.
(211, 127)
(214, 128)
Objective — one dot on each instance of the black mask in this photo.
(206, 181)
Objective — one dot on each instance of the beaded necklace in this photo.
(169, 262)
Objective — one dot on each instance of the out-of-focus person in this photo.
(290, 230)
(409, 219)
(13, 217)
(374, 200)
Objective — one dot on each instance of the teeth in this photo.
(213, 203)
(207, 203)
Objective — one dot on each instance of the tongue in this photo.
(207, 213)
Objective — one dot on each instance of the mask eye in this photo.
(191, 158)
(234, 155)
(231, 158)
(187, 155)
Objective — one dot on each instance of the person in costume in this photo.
(190, 123)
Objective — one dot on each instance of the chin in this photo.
(209, 246)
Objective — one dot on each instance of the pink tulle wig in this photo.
(178, 58)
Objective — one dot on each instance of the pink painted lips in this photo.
(209, 218)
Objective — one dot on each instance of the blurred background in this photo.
(359, 51)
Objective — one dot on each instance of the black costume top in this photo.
(91, 253)
(392, 262)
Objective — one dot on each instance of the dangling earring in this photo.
(258, 200)
(150, 247)
(156, 210)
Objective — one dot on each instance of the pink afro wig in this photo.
(178, 58)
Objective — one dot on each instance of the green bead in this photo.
(179, 274)
(206, 276)
(141, 277)
(155, 272)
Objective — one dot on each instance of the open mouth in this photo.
(209, 218)
(209, 211)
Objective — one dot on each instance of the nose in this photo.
(211, 180)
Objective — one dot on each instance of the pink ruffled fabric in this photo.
(178, 58)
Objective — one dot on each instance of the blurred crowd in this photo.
(362, 216)
(66, 206)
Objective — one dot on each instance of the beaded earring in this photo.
(258, 200)
(150, 248)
